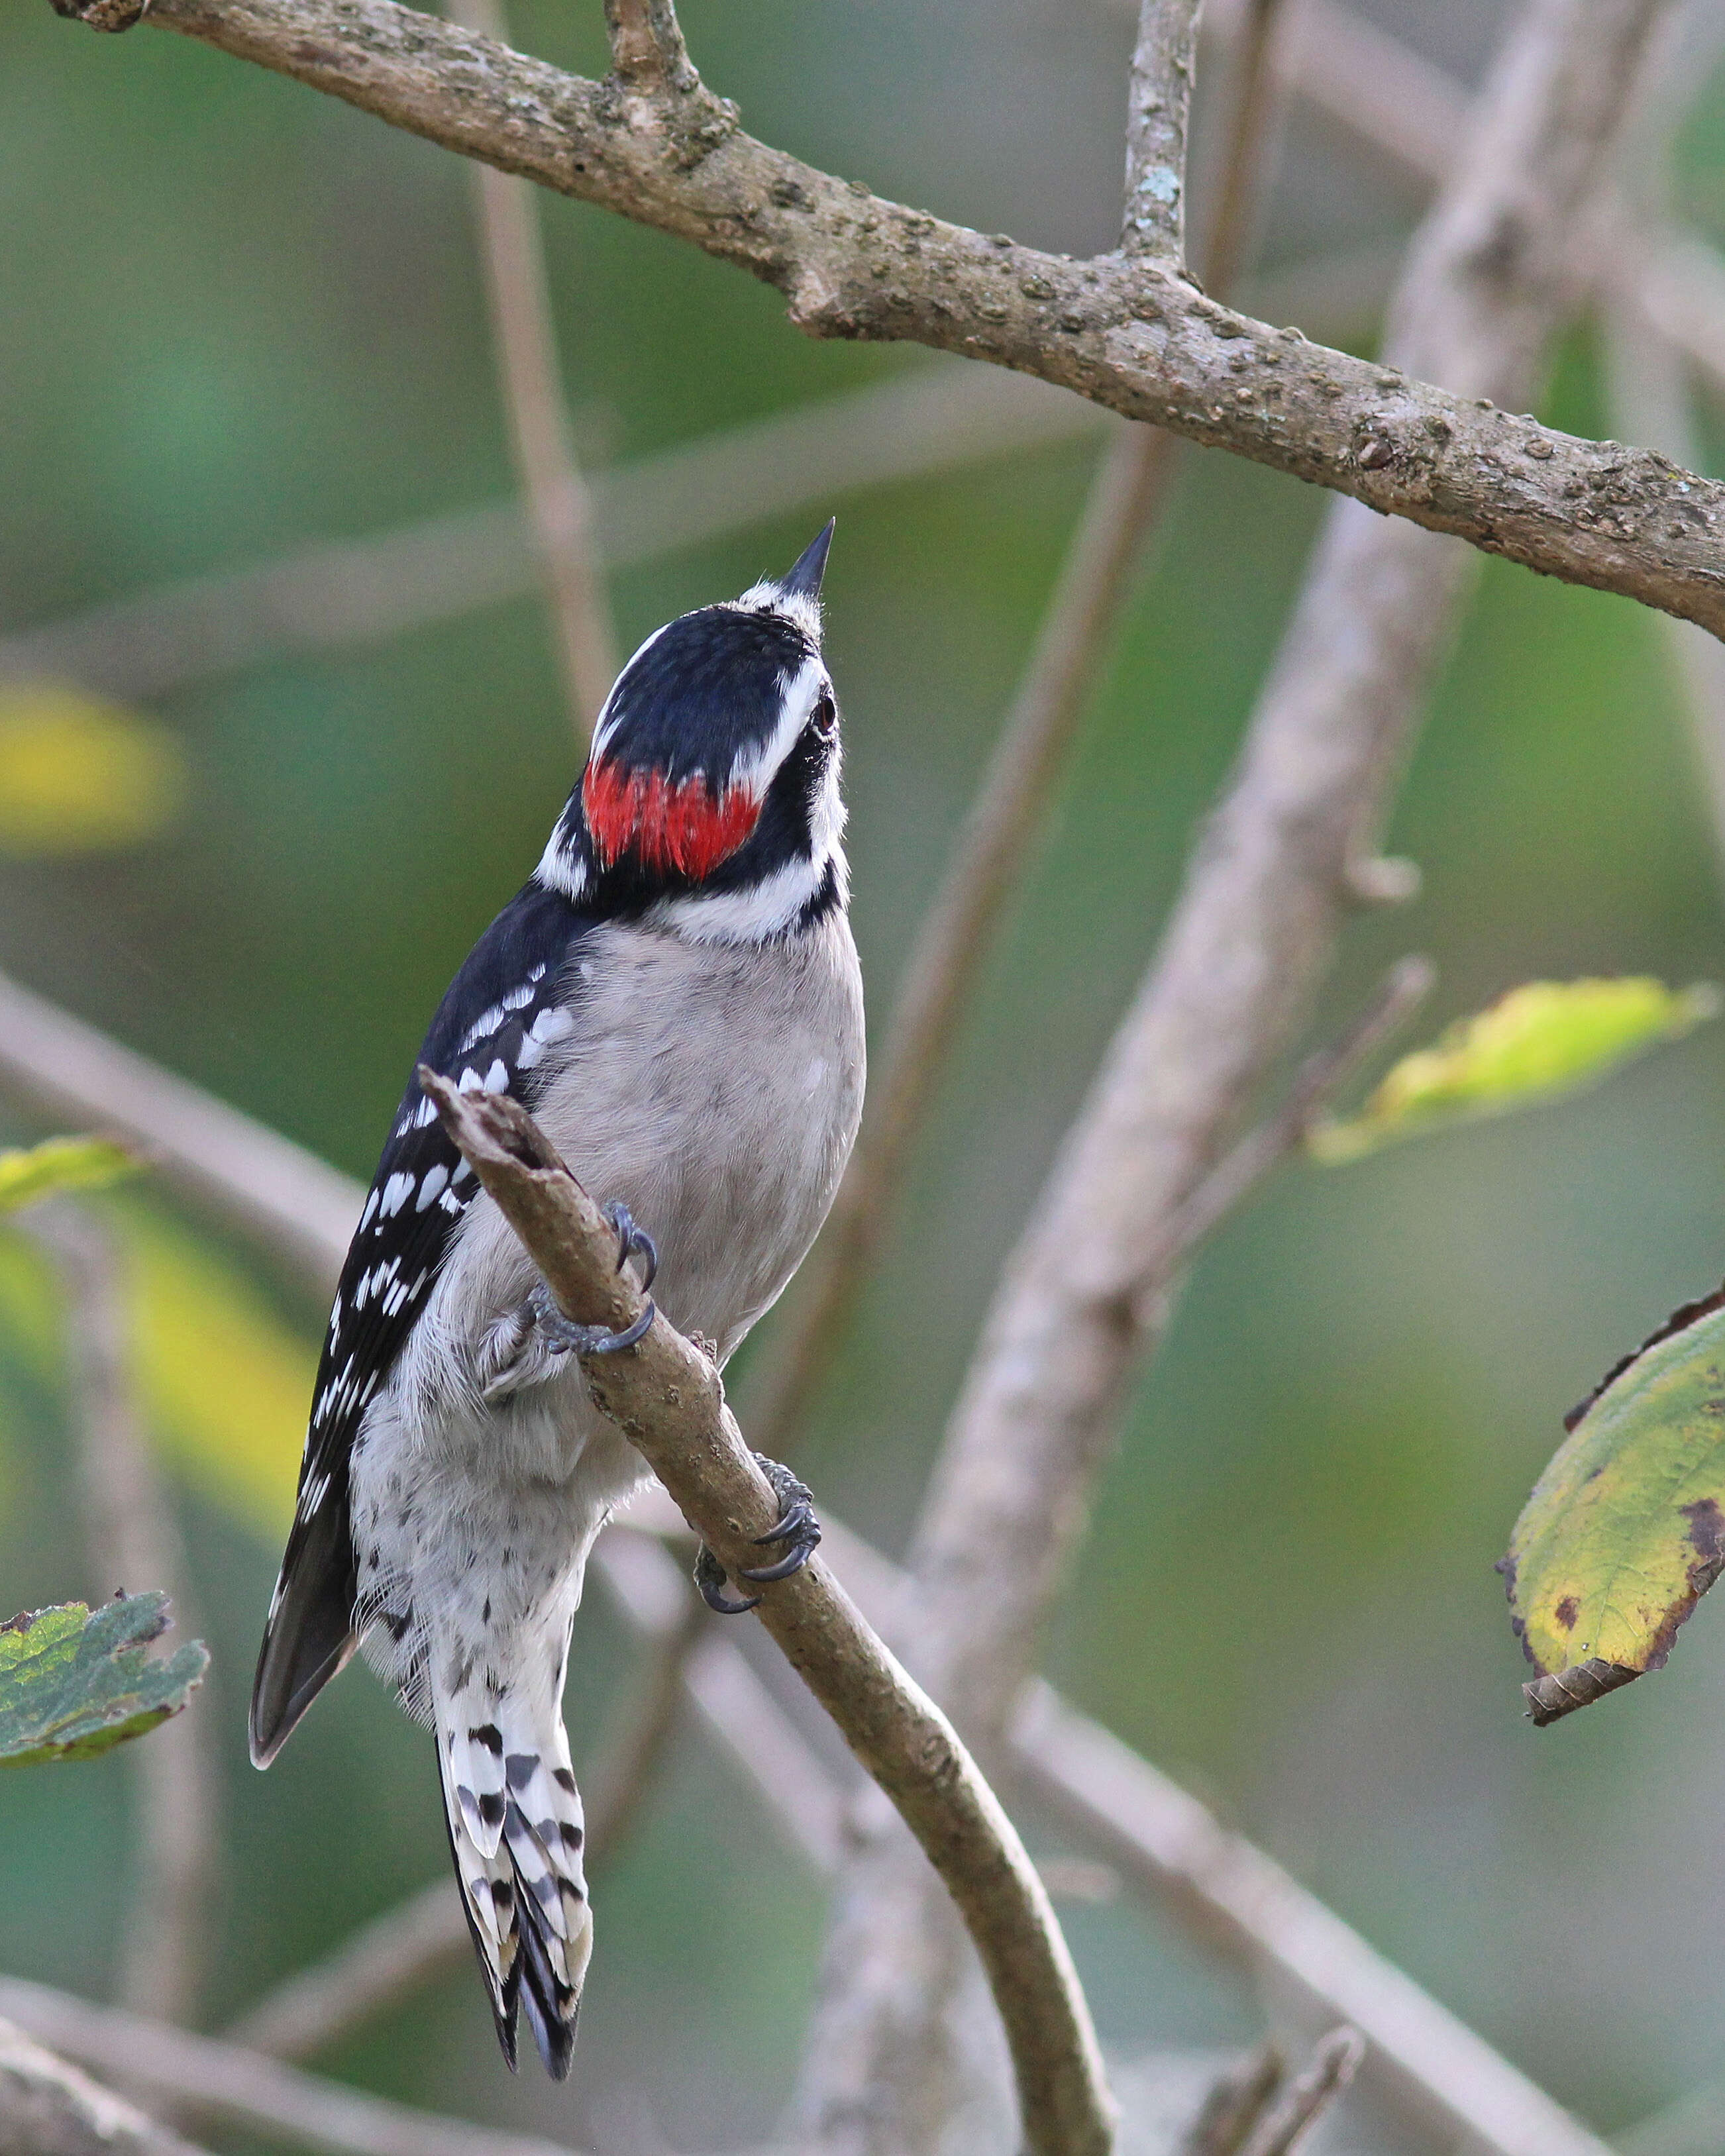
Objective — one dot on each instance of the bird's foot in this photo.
(528, 1343)
(797, 1528)
(562, 1334)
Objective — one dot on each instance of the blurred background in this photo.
(242, 320)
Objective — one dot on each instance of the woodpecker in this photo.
(675, 994)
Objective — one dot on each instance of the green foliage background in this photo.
(239, 317)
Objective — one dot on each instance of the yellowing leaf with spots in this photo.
(1539, 1043)
(32, 1172)
(78, 775)
(1626, 1530)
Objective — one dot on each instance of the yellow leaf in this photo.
(227, 1385)
(1538, 1042)
(78, 775)
(31, 1173)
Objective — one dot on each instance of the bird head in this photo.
(710, 803)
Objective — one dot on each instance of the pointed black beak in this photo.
(803, 581)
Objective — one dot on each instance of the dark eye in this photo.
(826, 716)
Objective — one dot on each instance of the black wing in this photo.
(503, 1011)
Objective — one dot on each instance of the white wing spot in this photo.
(431, 1184)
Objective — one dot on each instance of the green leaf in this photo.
(1626, 1530)
(73, 1683)
(57, 1164)
(1539, 1043)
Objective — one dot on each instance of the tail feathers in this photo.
(517, 1840)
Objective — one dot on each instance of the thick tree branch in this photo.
(1127, 333)
(667, 1398)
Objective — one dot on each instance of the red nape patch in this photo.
(681, 827)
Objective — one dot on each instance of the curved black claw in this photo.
(566, 1337)
(633, 1242)
(797, 1526)
(710, 1578)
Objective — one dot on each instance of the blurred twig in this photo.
(297, 1207)
(932, 419)
(1234, 2104)
(551, 477)
(1647, 370)
(48, 2108)
(666, 1398)
(134, 1543)
(1316, 1084)
(220, 2081)
(1083, 1295)
(1292, 2114)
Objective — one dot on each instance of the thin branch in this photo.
(1316, 1083)
(48, 2108)
(1234, 2104)
(1249, 148)
(1286, 2122)
(1158, 106)
(666, 1398)
(1085, 1294)
(373, 1968)
(220, 2081)
(1128, 333)
(1646, 377)
(134, 1543)
(987, 863)
(558, 503)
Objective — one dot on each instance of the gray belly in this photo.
(714, 1090)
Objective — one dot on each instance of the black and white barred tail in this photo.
(515, 1833)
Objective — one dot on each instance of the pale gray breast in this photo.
(716, 1089)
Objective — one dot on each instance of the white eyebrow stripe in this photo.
(798, 693)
